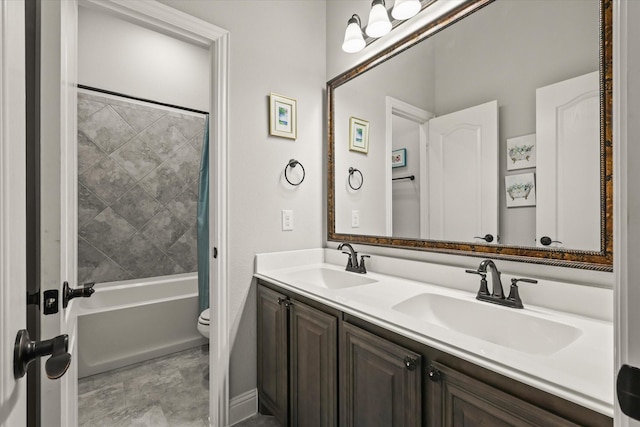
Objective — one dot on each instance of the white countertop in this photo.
(582, 372)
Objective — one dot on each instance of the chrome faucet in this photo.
(352, 262)
(497, 294)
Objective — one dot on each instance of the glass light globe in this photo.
(405, 9)
(379, 23)
(353, 40)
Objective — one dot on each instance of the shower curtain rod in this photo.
(135, 98)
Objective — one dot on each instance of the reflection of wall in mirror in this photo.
(405, 192)
(365, 97)
(470, 71)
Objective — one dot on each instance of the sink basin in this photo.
(506, 327)
(328, 278)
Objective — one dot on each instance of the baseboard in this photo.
(243, 406)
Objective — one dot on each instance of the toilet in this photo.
(203, 323)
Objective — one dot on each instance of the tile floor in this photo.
(259, 421)
(170, 391)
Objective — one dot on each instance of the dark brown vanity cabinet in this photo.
(380, 383)
(459, 400)
(318, 366)
(297, 357)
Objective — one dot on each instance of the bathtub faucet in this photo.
(69, 293)
(352, 261)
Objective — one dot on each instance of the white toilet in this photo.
(203, 323)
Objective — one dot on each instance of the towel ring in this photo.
(351, 172)
(292, 164)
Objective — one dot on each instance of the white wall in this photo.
(276, 46)
(122, 57)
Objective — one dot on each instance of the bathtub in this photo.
(136, 320)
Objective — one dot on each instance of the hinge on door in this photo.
(34, 298)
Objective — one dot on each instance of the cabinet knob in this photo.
(434, 374)
(410, 363)
(285, 302)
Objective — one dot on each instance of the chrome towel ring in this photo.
(351, 172)
(292, 164)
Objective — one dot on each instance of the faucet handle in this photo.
(514, 294)
(484, 288)
(522, 279)
(479, 273)
(361, 267)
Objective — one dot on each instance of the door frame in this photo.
(623, 342)
(13, 277)
(396, 107)
(167, 20)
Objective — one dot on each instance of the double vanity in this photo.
(382, 348)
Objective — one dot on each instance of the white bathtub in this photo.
(136, 320)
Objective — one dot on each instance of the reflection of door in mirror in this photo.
(463, 174)
(568, 141)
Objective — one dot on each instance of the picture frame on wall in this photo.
(521, 152)
(282, 116)
(358, 135)
(521, 190)
(399, 158)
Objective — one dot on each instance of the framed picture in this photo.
(521, 190)
(521, 152)
(282, 116)
(358, 135)
(399, 158)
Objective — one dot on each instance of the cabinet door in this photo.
(272, 353)
(458, 400)
(313, 371)
(380, 381)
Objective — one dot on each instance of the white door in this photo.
(463, 174)
(58, 217)
(567, 152)
(13, 267)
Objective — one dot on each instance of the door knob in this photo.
(69, 293)
(26, 351)
(487, 238)
(546, 241)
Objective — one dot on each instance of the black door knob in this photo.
(546, 241)
(26, 351)
(69, 293)
(487, 238)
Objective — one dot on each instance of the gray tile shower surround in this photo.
(170, 391)
(138, 169)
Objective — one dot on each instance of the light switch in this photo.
(287, 220)
(355, 219)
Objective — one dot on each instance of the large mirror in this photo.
(485, 133)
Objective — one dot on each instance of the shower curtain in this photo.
(203, 224)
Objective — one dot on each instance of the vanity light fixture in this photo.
(379, 23)
(405, 9)
(353, 39)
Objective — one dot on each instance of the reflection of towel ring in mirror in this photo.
(351, 172)
(292, 164)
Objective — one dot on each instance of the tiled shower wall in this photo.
(138, 168)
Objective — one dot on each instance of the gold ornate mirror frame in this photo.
(601, 260)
